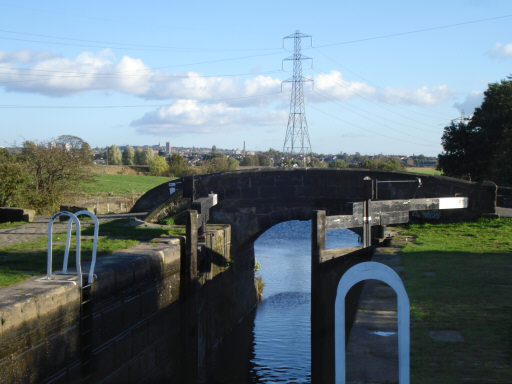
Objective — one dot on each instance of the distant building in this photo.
(168, 148)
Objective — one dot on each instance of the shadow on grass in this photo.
(457, 277)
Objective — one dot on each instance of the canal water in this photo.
(277, 349)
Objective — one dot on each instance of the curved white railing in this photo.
(73, 218)
(371, 270)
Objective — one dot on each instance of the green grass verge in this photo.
(12, 224)
(458, 278)
(424, 171)
(121, 185)
(21, 261)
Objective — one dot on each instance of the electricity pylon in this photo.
(296, 141)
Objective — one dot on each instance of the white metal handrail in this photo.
(73, 218)
(90, 279)
(49, 259)
(371, 270)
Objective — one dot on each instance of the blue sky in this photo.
(388, 75)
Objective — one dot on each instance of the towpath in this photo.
(39, 228)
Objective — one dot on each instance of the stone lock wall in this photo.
(143, 327)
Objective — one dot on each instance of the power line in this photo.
(72, 74)
(368, 117)
(373, 83)
(17, 106)
(118, 45)
(428, 29)
(373, 132)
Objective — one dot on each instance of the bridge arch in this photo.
(252, 201)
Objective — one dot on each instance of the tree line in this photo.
(480, 147)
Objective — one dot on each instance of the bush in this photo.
(44, 173)
(14, 179)
(159, 166)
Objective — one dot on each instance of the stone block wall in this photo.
(252, 201)
(141, 326)
(504, 197)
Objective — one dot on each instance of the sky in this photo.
(387, 76)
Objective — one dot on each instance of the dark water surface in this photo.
(278, 348)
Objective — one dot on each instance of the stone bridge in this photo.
(255, 200)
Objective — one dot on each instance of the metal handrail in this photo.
(90, 279)
(72, 218)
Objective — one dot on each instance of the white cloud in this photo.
(25, 56)
(425, 96)
(473, 100)
(196, 103)
(501, 50)
(333, 86)
(60, 76)
(189, 116)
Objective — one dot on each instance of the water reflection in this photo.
(280, 329)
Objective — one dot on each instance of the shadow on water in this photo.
(273, 344)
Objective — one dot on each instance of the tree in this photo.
(53, 170)
(158, 166)
(128, 155)
(250, 160)
(14, 178)
(459, 158)
(114, 156)
(143, 156)
(212, 155)
(233, 164)
(482, 147)
(337, 163)
(178, 166)
(264, 160)
(316, 163)
(74, 143)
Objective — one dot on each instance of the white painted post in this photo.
(372, 271)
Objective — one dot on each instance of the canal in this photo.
(273, 344)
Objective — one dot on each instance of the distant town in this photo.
(195, 155)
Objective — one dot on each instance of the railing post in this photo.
(369, 186)
(317, 236)
(189, 264)
(189, 310)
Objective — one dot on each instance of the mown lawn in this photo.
(21, 261)
(459, 278)
(424, 171)
(12, 224)
(120, 185)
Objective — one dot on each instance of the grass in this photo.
(458, 278)
(120, 185)
(424, 171)
(11, 224)
(21, 261)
